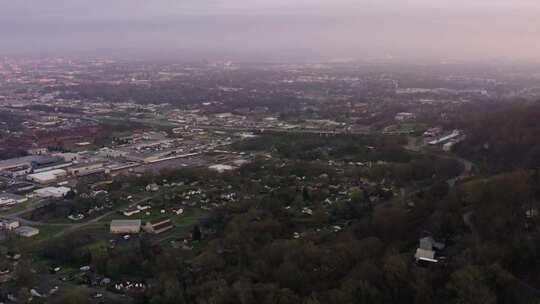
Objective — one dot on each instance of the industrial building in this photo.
(10, 164)
(47, 176)
(18, 171)
(16, 167)
(68, 157)
(43, 162)
(52, 192)
(125, 226)
(153, 151)
(86, 169)
(111, 153)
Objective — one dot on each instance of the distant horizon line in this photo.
(285, 56)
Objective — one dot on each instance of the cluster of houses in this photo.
(129, 286)
(135, 210)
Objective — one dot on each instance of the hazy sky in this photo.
(454, 29)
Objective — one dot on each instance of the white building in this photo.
(49, 192)
(404, 116)
(47, 176)
(425, 255)
(426, 250)
(221, 168)
(452, 136)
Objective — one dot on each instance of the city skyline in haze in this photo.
(278, 29)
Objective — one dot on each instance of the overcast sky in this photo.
(445, 29)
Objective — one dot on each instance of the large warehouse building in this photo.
(50, 192)
(47, 176)
(125, 226)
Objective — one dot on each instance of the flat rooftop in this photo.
(126, 222)
(12, 162)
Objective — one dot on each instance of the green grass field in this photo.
(46, 231)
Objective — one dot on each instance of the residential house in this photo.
(427, 250)
(131, 211)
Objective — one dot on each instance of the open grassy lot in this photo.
(47, 231)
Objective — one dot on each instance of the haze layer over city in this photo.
(274, 30)
(273, 152)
